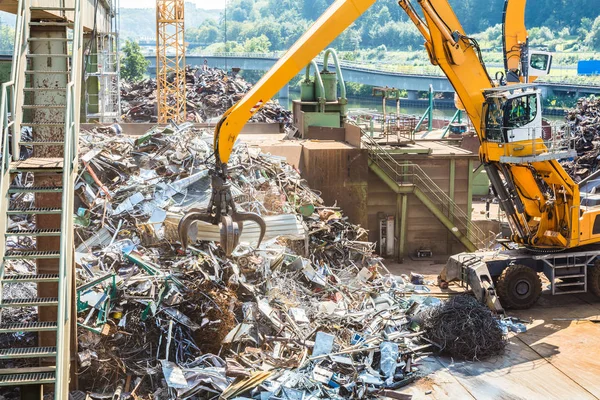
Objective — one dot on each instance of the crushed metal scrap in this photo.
(584, 123)
(210, 92)
(312, 313)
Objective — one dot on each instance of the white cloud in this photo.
(206, 4)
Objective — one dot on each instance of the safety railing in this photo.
(407, 173)
(71, 133)
(547, 142)
(7, 124)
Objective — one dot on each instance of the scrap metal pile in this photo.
(311, 313)
(210, 92)
(584, 123)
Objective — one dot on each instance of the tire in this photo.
(519, 287)
(594, 279)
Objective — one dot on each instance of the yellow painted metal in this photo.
(333, 22)
(170, 61)
(515, 33)
(550, 221)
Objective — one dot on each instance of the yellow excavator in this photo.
(541, 201)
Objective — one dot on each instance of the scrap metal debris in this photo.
(210, 92)
(584, 123)
(464, 328)
(311, 313)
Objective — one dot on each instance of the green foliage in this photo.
(7, 39)
(5, 68)
(133, 64)
(593, 37)
(260, 44)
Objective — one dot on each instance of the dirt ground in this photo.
(557, 358)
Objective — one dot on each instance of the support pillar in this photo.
(451, 194)
(413, 94)
(403, 198)
(471, 178)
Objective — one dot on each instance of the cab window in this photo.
(521, 111)
(494, 120)
(539, 61)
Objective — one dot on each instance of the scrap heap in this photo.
(210, 92)
(584, 123)
(311, 313)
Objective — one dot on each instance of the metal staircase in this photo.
(406, 177)
(43, 98)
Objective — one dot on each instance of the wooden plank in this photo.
(520, 374)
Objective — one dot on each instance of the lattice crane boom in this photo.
(170, 60)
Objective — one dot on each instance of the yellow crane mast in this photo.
(170, 60)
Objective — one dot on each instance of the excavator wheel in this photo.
(519, 287)
(594, 279)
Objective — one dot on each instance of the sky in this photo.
(206, 4)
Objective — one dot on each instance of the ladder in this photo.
(43, 98)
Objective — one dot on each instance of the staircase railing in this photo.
(18, 75)
(412, 174)
(66, 275)
(8, 120)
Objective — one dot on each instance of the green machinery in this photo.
(320, 104)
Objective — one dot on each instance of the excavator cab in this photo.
(513, 115)
(540, 63)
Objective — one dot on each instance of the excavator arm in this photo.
(521, 63)
(539, 198)
(222, 209)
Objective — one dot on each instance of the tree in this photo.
(593, 38)
(133, 65)
(260, 44)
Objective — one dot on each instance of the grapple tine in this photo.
(187, 220)
(240, 216)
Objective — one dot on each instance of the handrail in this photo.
(20, 48)
(407, 172)
(71, 132)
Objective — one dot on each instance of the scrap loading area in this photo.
(554, 359)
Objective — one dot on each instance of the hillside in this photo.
(283, 21)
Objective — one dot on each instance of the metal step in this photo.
(27, 379)
(34, 210)
(42, 8)
(35, 189)
(30, 254)
(51, 23)
(569, 276)
(42, 143)
(569, 292)
(28, 327)
(43, 106)
(569, 266)
(559, 285)
(29, 302)
(27, 352)
(33, 232)
(41, 39)
(34, 124)
(20, 278)
(33, 72)
(35, 55)
(37, 164)
(47, 89)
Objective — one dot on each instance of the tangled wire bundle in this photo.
(464, 329)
